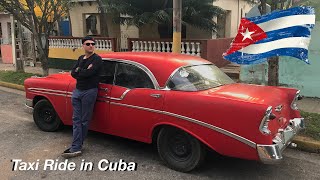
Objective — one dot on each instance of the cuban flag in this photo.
(280, 33)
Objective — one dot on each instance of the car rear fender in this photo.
(156, 129)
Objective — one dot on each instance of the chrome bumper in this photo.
(272, 153)
(29, 105)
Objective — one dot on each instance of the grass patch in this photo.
(312, 125)
(15, 77)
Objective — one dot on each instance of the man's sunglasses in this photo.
(88, 44)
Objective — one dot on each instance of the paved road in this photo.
(21, 139)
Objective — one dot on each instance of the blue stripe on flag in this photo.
(244, 58)
(295, 31)
(289, 12)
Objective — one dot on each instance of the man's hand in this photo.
(90, 66)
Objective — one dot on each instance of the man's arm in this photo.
(92, 69)
(74, 71)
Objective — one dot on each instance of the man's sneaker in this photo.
(68, 154)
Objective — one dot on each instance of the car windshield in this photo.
(198, 77)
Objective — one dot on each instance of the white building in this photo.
(85, 20)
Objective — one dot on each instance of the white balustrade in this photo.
(101, 44)
(190, 48)
(168, 47)
(154, 46)
(182, 48)
(193, 49)
(198, 49)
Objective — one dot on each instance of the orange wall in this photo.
(6, 54)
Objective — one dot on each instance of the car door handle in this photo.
(155, 95)
(104, 89)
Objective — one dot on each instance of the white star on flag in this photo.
(247, 34)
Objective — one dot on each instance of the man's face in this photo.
(88, 46)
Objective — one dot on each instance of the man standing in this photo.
(86, 71)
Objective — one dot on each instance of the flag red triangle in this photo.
(254, 34)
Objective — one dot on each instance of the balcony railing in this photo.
(189, 47)
(108, 44)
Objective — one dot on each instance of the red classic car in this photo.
(184, 104)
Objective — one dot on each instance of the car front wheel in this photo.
(179, 150)
(45, 116)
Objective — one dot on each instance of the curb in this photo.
(303, 143)
(307, 144)
(12, 86)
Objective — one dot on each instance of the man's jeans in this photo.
(83, 103)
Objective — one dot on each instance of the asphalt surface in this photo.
(21, 139)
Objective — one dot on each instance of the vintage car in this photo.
(184, 104)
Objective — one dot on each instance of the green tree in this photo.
(40, 23)
(140, 12)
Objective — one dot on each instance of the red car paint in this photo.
(233, 108)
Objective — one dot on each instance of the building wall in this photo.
(149, 31)
(127, 32)
(6, 54)
(235, 7)
(196, 33)
(292, 72)
(215, 49)
(5, 46)
(77, 13)
(298, 74)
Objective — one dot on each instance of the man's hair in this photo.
(87, 38)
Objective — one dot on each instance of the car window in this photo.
(197, 78)
(131, 76)
(107, 72)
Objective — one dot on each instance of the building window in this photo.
(9, 29)
(221, 22)
(92, 25)
(0, 30)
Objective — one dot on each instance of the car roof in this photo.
(160, 64)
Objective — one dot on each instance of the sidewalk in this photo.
(28, 69)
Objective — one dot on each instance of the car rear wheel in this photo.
(179, 150)
(45, 116)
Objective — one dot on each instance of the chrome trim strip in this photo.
(174, 72)
(28, 109)
(27, 106)
(103, 101)
(124, 94)
(215, 128)
(50, 90)
(118, 99)
(141, 66)
(64, 95)
(292, 106)
(264, 127)
(29, 103)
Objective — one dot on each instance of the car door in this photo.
(135, 102)
(101, 113)
(102, 105)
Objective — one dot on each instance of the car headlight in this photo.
(296, 98)
(264, 125)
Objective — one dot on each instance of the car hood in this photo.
(60, 76)
(250, 93)
(58, 81)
